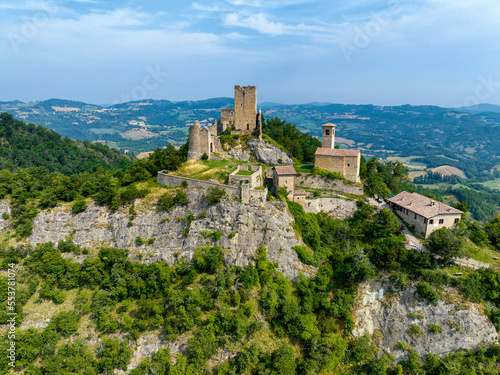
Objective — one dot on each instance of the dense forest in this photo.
(28, 145)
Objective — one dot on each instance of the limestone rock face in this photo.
(238, 152)
(267, 153)
(387, 319)
(337, 208)
(243, 227)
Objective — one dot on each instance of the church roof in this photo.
(336, 152)
(422, 205)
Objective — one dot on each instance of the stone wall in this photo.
(174, 181)
(347, 166)
(337, 208)
(254, 180)
(319, 182)
(245, 108)
(227, 116)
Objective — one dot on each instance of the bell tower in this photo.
(328, 138)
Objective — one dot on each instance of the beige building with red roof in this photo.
(284, 176)
(344, 162)
(426, 214)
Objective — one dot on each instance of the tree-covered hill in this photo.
(28, 145)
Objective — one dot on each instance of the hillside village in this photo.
(229, 256)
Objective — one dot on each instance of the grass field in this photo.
(495, 184)
(208, 170)
(245, 173)
(303, 168)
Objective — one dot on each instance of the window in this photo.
(431, 221)
(425, 220)
(327, 132)
(441, 221)
(248, 126)
(456, 220)
(348, 165)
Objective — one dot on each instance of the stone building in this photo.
(203, 141)
(427, 215)
(344, 162)
(284, 176)
(244, 118)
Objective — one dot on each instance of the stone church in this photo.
(344, 162)
(242, 119)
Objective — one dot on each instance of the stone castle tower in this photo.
(328, 140)
(244, 117)
(245, 109)
(194, 149)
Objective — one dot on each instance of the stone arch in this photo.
(327, 131)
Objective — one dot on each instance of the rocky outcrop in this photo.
(267, 153)
(319, 182)
(243, 228)
(238, 152)
(389, 316)
(6, 211)
(337, 208)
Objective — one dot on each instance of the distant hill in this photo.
(465, 139)
(28, 145)
(481, 108)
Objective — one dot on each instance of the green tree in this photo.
(445, 244)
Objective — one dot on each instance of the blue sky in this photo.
(440, 52)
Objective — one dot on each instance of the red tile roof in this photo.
(285, 170)
(336, 152)
(423, 206)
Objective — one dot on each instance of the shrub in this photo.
(168, 201)
(415, 330)
(305, 256)
(214, 195)
(5, 216)
(434, 328)
(204, 156)
(212, 234)
(79, 206)
(150, 241)
(415, 315)
(427, 291)
(139, 241)
(232, 235)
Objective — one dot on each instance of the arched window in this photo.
(248, 126)
(327, 131)
(211, 147)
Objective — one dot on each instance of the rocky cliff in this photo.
(267, 153)
(394, 317)
(243, 227)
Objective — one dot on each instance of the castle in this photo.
(242, 119)
(344, 162)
